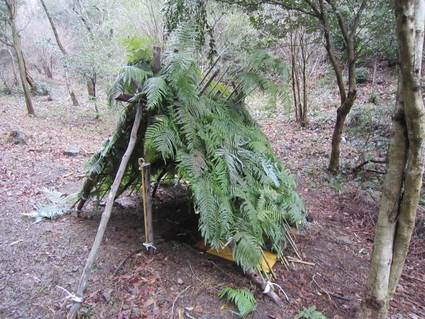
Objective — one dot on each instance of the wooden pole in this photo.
(209, 82)
(147, 207)
(73, 313)
(156, 63)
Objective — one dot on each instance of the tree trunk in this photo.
(304, 59)
(28, 76)
(11, 7)
(90, 88)
(62, 48)
(403, 181)
(294, 88)
(347, 102)
(53, 26)
(341, 115)
(348, 32)
(12, 59)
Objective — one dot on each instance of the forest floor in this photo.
(179, 281)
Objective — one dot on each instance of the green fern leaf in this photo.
(242, 298)
(133, 77)
(247, 251)
(156, 89)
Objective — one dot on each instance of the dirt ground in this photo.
(39, 260)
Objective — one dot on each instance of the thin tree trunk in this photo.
(403, 181)
(294, 88)
(415, 119)
(64, 52)
(90, 88)
(341, 115)
(347, 99)
(12, 59)
(304, 78)
(53, 26)
(11, 7)
(73, 313)
(28, 76)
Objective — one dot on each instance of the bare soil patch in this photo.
(179, 281)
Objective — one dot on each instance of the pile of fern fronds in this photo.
(241, 191)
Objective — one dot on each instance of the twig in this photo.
(16, 242)
(175, 300)
(323, 290)
(127, 258)
(199, 279)
(368, 161)
(343, 298)
(209, 70)
(209, 82)
(299, 261)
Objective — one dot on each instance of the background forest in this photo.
(321, 79)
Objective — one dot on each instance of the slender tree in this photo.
(64, 52)
(11, 6)
(334, 20)
(403, 181)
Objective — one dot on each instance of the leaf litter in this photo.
(36, 258)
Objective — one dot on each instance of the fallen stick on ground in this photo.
(175, 300)
(299, 261)
(127, 258)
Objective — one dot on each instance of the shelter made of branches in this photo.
(198, 130)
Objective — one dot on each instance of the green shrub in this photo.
(362, 75)
(40, 88)
(310, 313)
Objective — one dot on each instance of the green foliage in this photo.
(238, 185)
(267, 74)
(155, 90)
(243, 299)
(362, 75)
(179, 12)
(40, 88)
(138, 49)
(56, 205)
(310, 313)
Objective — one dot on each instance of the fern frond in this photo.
(184, 38)
(271, 170)
(163, 136)
(114, 91)
(247, 251)
(138, 49)
(242, 298)
(133, 76)
(156, 89)
(55, 206)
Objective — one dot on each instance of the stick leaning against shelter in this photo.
(73, 313)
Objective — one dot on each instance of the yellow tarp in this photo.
(226, 253)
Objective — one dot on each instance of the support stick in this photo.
(209, 82)
(73, 313)
(147, 206)
(261, 284)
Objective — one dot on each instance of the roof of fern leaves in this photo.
(239, 187)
